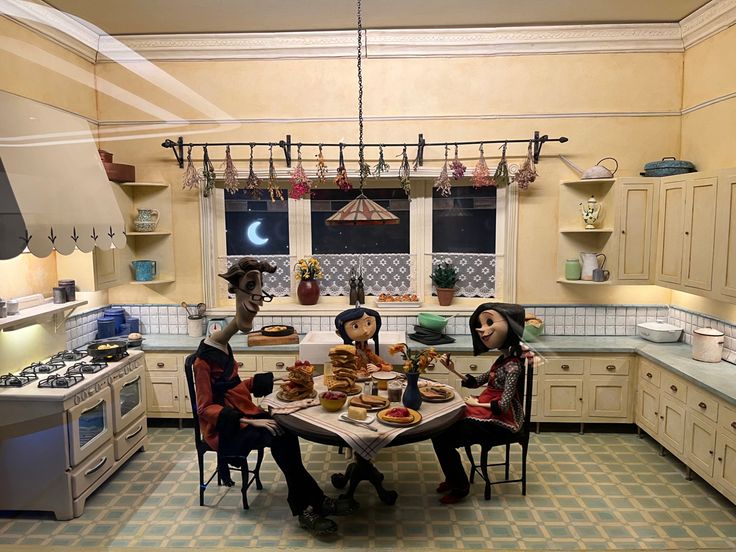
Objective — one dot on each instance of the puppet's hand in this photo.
(447, 362)
(471, 401)
(372, 368)
(526, 352)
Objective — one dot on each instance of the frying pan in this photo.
(271, 331)
(117, 347)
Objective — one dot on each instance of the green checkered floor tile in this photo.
(592, 491)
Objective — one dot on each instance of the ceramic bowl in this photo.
(432, 321)
(531, 333)
(332, 404)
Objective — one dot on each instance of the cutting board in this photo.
(258, 340)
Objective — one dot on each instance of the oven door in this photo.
(128, 399)
(90, 425)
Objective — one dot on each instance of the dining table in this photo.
(310, 421)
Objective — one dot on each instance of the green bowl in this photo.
(531, 333)
(432, 321)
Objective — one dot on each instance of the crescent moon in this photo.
(253, 236)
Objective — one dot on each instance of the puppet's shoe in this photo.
(444, 487)
(338, 506)
(315, 523)
(455, 496)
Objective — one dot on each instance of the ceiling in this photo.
(223, 16)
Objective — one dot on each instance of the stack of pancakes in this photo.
(300, 384)
(344, 365)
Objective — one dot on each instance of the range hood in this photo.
(54, 192)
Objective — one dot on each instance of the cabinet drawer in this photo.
(247, 363)
(674, 386)
(609, 366)
(276, 363)
(84, 475)
(649, 372)
(727, 419)
(471, 365)
(163, 363)
(130, 437)
(703, 403)
(561, 366)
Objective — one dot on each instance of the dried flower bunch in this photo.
(300, 184)
(308, 269)
(192, 177)
(231, 173)
(442, 183)
(253, 183)
(341, 180)
(528, 172)
(405, 173)
(417, 360)
(208, 172)
(321, 169)
(381, 167)
(273, 188)
(501, 176)
(481, 173)
(457, 167)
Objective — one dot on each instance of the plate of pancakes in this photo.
(436, 393)
(371, 403)
(399, 416)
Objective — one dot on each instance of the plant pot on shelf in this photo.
(445, 296)
(308, 292)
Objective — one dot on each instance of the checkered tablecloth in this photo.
(363, 441)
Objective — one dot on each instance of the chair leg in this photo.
(202, 486)
(469, 454)
(508, 453)
(244, 482)
(257, 470)
(523, 467)
(484, 469)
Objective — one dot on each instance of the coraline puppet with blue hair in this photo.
(357, 326)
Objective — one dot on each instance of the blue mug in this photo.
(145, 271)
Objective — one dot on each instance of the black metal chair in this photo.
(224, 463)
(525, 386)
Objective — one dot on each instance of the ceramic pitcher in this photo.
(590, 263)
(146, 220)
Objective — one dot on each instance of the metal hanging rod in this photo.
(538, 141)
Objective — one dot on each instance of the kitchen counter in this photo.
(717, 377)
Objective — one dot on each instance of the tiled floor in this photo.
(593, 491)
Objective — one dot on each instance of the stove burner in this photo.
(17, 380)
(86, 367)
(58, 381)
(42, 367)
(68, 356)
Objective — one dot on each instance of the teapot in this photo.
(599, 171)
(591, 211)
(590, 263)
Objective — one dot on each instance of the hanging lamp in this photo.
(361, 210)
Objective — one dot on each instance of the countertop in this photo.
(717, 377)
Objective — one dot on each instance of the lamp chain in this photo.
(361, 157)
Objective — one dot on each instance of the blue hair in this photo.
(354, 314)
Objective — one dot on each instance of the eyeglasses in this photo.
(264, 296)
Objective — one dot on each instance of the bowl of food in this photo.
(431, 321)
(332, 401)
(533, 327)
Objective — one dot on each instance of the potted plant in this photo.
(415, 362)
(307, 271)
(444, 277)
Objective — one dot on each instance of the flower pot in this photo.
(445, 295)
(412, 398)
(308, 292)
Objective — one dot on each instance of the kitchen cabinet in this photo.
(724, 262)
(637, 212)
(686, 232)
(700, 443)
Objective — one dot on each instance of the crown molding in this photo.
(703, 23)
(199, 47)
(40, 17)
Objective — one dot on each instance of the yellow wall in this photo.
(569, 95)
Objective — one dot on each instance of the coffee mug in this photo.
(600, 275)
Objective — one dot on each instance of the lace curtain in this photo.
(277, 284)
(476, 272)
(382, 273)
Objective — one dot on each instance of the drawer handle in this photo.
(649, 375)
(97, 467)
(720, 459)
(581, 399)
(136, 380)
(160, 364)
(473, 366)
(611, 367)
(240, 364)
(565, 366)
(733, 425)
(702, 405)
(710, 452)
(661, 417)
(136, 432)
(280, 365)
(674, 388)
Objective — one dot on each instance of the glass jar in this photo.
(394, 391)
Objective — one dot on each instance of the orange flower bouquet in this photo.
(415, 361)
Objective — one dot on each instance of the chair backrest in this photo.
(525, 388)
(189, 373)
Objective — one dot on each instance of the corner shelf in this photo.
(148, 233)
(589, 181)
(32, 315)
(143, 184)
(583, 282)
(583, 231)
(152, 282)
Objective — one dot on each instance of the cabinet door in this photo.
(563, 397)
(725, 251)
(186, 402)
(647, 408)
(608, 397)
(725, 465)
(672, 424)
(108, 268)
(700, 228)
(635, 231)
(670, 231)
(700, 443)
(162, 394)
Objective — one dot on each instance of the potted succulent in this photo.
(444, 277)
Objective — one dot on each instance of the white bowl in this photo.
(659, 332)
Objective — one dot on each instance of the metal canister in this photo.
(59, 295)
(71, 289)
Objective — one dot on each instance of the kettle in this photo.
(590, 263)
(599, 171)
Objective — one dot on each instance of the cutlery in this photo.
(359, 424)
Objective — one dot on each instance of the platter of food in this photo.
(398, 416)
(299, 383)
(407, 300)
(371, 403)
(284, 396)
(436, 393)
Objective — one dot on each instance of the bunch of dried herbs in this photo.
(501, 176)
(300, 184)
(341, 180)
(208, 172)
(230, 172)
(528, 172)
(273, 188)
(457, 167)
(481, 173)
(253, 183)
(405, 173)
(321, 169)
(192, 177)
(442, 183)
(381, 167)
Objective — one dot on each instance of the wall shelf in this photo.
(589, 182)
(152, 282)
(148, 233)
(583, 231)
(583, 282)
(33, 315)
(143, 184)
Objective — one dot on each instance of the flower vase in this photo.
(411, 398)
(308, 292)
